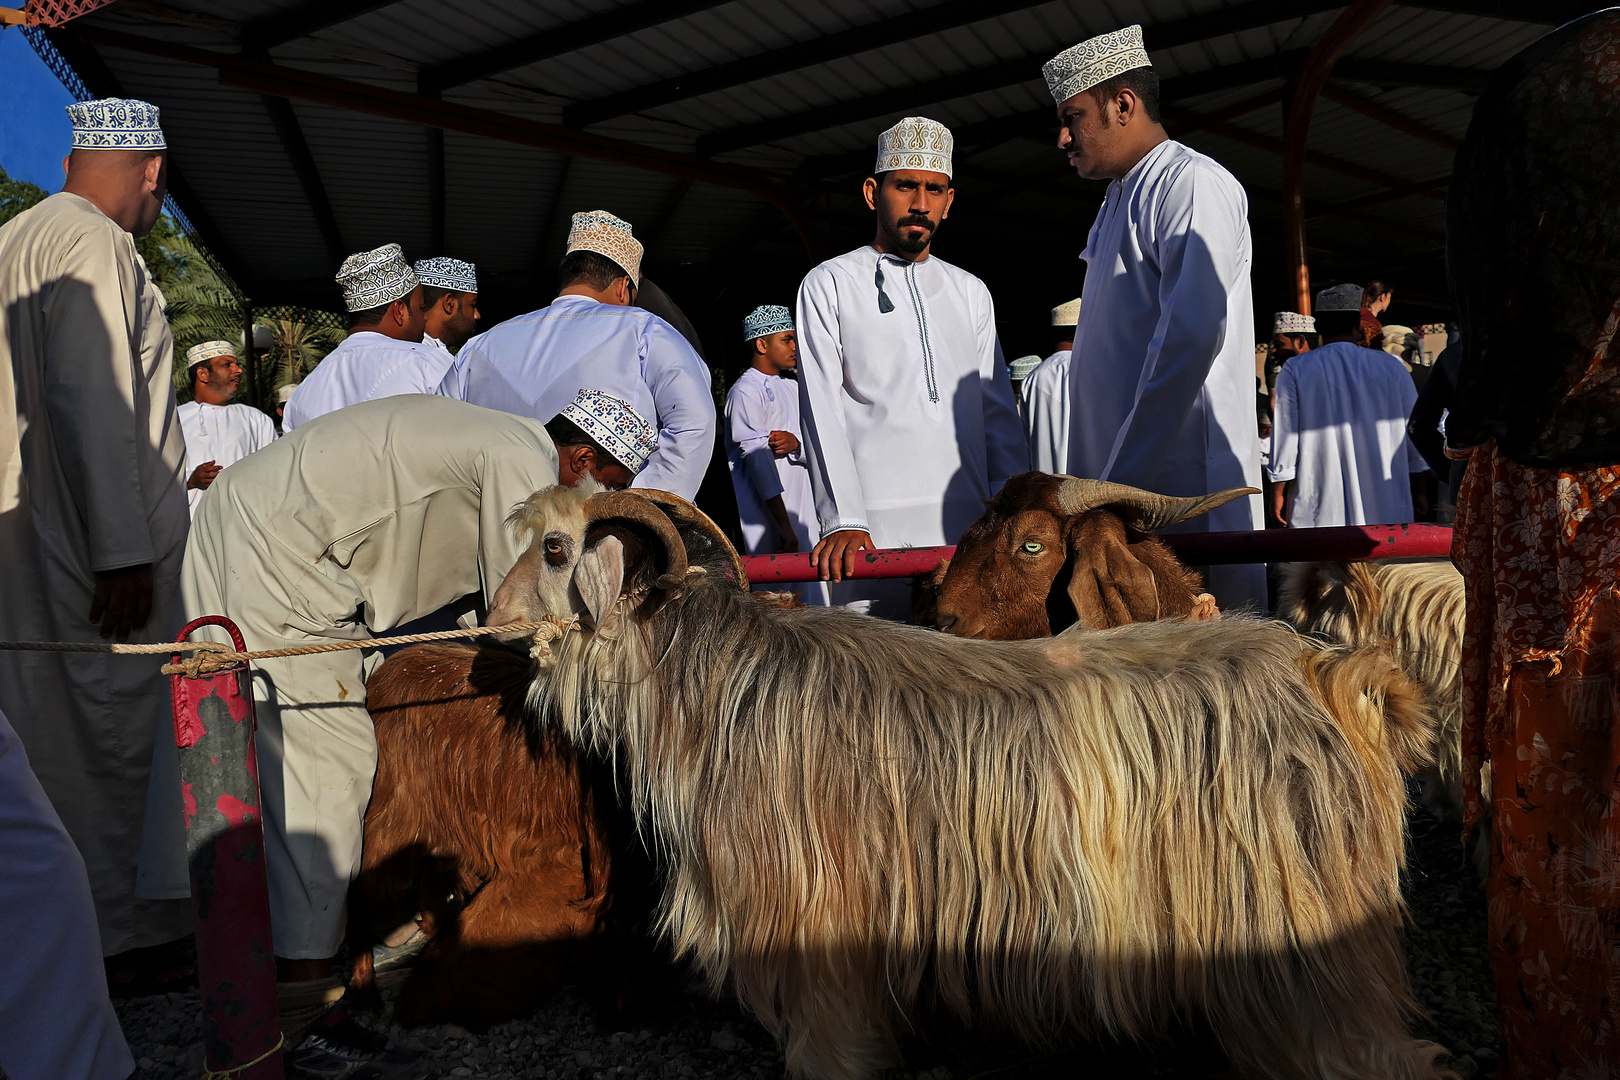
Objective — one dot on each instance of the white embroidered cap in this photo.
(1339, 298)
(611, 421)
(116, 124)
(447, 273)
(915, 143)
(1292, 322)
(766, 320)
(199, 354)
(284, 393)
(610, 237)
(1020, 368)
(373, 278)
(1095, 60)
(1067, 314)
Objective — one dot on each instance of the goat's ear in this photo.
(599, 576)
(1109, 586)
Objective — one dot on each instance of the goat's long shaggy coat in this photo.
(1415, 612)
(867, 824)
(472, 806)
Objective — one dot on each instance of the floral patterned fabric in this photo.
(1539, 552)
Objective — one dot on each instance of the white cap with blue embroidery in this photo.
(1292, 322)
(116, 124)
(619, 429)
(447, 273)
(1020, 368)
(766, 320)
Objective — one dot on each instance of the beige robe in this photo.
(91, 478)
(358, 521)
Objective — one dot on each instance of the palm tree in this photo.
(300, 340)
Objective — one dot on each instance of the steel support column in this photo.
(1308, 83)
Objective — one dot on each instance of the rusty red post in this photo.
(219, 785)
(1350, 543)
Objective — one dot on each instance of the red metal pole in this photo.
(219, 785)
(1349, 543)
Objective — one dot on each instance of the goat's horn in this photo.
(1146, 510)
(688, 514)
(628, 506)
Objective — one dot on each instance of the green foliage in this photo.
(17, 196)
(301, 338)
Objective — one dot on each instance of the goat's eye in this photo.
(1034, 547)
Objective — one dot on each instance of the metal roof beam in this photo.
(955, 86)
(304, 19)
(1389, 118)
(296, 147)
(247, 73)
(560, 40)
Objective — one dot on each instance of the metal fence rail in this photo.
(1348, 543)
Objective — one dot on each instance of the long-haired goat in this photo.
(866, 827)
(1415, 612)
(1051, 552)
(474, 806)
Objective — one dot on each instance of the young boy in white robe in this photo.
(763, 451)
(1340, 452)
(217, 432)
(1046, 397)
(384, 354)
(1162, 374)
(908, 413)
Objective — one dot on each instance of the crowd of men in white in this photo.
(404, 450)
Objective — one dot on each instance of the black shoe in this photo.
(336, 1048)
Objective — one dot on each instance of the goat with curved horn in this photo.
(1146, 510)
(631, 506)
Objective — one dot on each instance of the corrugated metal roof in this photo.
(506, 206)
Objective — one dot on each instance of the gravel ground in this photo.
(698, 1037)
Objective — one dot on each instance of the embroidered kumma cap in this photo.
(284, 393)
(1095, 60)
(610, 237)
(199, 354)
(373, 278)
(447, 273)
(1292, 322)
(116, 124)
(1020, 368)
(1067, 314)
(915, 143)
(766, 320)
(611, 421)
(1338, 298)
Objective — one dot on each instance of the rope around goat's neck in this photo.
(212, 656)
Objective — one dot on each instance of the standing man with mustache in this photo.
(1162, 374)
(907, 410)
(217, 433)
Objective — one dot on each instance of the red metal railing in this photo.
(1348, 543)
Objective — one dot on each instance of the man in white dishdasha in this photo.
(908, 414)
(1162, 371)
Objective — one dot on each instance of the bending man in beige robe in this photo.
(357, 522)
(92, 511)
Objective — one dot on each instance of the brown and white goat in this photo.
(868, 828)
(1051, 552)
(496, 833)
(1415, 612)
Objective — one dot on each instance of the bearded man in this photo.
(908, 414)
(450, 297)
(1162, 373)
(217, 432)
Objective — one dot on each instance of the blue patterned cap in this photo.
(1021, 367)
(373, 278)
(766, 320)
(447, 273)
(116, 124)
(619, 429)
